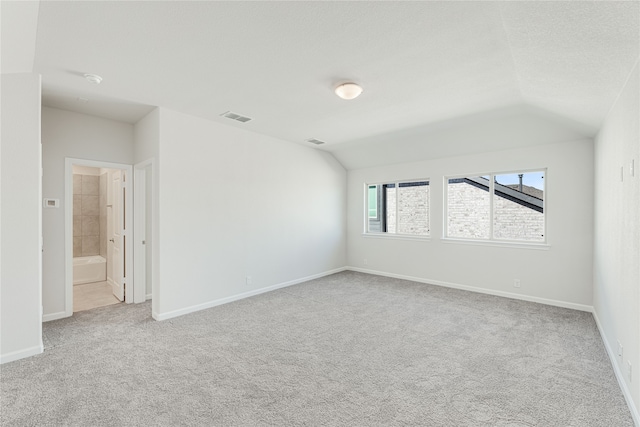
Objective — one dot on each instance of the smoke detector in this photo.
(93, 78)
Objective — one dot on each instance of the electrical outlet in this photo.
(629, 370)
(249, 280)
(619, 349)
(516, 283)
(366, 262)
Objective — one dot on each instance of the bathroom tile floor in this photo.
(92, 295)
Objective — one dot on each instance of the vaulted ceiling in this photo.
(424, 66)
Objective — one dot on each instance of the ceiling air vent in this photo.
(235, 116)
(315, 141)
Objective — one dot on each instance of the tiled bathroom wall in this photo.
(86, 215)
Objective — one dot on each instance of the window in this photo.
(507, 206)
(468, 207)
(373, 201)
(400, 208)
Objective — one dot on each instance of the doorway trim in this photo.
(140, 230)
(69, 162)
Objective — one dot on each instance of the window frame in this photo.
(493, 241)
(395, 235)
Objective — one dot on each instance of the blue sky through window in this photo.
(532, 179)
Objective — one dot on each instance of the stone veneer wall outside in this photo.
(467, 211)
(468, 216)
(516, 222)
(413, 210)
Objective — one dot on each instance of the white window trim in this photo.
(492, 241)
(383, 235)
(394, 236)
(521, 244)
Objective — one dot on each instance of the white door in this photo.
(118, 237)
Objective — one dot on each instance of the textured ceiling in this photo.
(573, 58)
(420, 63)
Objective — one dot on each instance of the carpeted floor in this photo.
(349, 349)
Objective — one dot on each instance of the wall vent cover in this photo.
(315, 141)
(235, 116)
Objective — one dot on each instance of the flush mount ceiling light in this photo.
(348, 90)
(93, 78)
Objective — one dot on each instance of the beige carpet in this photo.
(349, 349)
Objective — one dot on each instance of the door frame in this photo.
(139, 230)
(116, 188)
(68, 226)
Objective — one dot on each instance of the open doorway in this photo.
(99, 231)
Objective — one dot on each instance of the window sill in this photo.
(498, 243)
(394, 236)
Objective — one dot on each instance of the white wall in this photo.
(18, 32)
(21, 201)
(146, 149)
(149, 241)
(562, 274)
(616, 293)
(235, 203)
(147, 137)
(68, 134)
(517, 126)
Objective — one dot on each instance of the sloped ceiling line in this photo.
(626, 82)
(553, 68)
(513, 60)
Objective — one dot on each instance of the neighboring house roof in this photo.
(509, 192)
(526, 189)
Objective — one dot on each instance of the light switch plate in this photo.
(51, 203)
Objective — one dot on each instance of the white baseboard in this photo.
(55, 316)
(563, 304)
(21, 354)
(203, 306)
(147, 297)
(618, 373)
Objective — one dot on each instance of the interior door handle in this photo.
(112, 240)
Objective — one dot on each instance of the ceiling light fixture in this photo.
(348, 90)
(93, 78)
